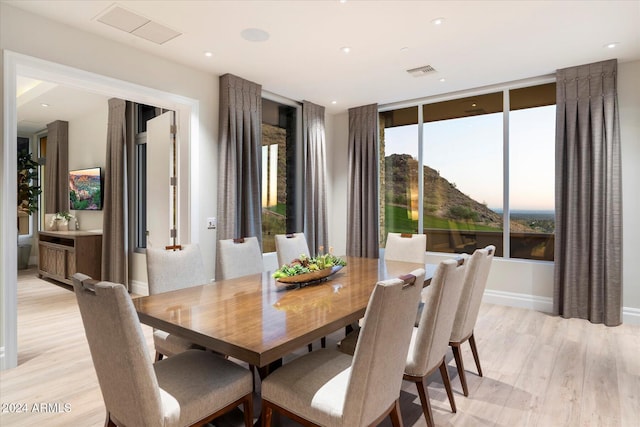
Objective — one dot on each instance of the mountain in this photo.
(442, 198)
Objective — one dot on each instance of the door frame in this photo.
(187, 116)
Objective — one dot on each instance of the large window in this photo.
(444, 168)
(280, 172)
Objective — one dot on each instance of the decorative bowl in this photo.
(309, 278)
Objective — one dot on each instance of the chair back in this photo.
(431, 339)
(381, 350)
(290, 247)
(475, 281)
(239, 257)
(406, 248)
(168, 270)
(119, 352)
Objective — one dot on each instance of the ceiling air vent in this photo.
(421, 71)
(137, 25)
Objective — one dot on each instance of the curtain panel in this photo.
(114, 225)
(588, 264)
(315, 204)
(56, 184)
(240, 158)
(362, 190)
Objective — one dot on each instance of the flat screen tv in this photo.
(85, 189)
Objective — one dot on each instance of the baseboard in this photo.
(139, 288)
(513, 299)
(630, 315)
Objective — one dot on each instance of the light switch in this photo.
(211, 223)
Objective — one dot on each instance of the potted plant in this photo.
(28, 193)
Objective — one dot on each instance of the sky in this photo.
(469, 152)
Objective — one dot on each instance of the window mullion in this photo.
(506, 240)
(420, 172)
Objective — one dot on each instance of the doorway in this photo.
(22, 65)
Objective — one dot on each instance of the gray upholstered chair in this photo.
(330, 388)
(430, 339)
(168, 270)
(190, 388)
(406, 247)
(290, 247)
(239, 257)
(475, 281)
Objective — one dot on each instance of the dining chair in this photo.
(290, 247)
(430, 339)
(168, 270)
(190, 388)
(406, 247)
(475, 281)
(240, 257)
(330, 388)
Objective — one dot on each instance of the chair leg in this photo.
(323, 342)
(247, 407)
(395, 415)
(424, 399)
(267, 411)
(158, 357)
(455, 347)
(447, 384)
(109, 422)
(474, 350)
(310, 347)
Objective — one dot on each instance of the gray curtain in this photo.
(362, 191)
(240, 160)
(315, 204)
(588, 248)
(56, 184)
(114, 225)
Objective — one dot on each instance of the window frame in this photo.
(504, 88)
(298, 196)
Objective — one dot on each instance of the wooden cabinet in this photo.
(64, 253)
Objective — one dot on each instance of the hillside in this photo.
(442, 199)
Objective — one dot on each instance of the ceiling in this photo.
(479, 43)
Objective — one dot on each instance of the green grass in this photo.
(397, 220)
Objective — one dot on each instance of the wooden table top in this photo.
(251, 319)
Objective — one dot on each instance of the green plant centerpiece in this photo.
(305, 269)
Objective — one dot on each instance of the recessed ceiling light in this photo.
(334, 102)
(208, 54)
(437, 21)
(345, 49)
(342, 1)
(611, 45)
(254, 35)
(44, 105)
(443, 80)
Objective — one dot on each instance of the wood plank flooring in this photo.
(539, 370)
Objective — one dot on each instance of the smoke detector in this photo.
(421, 71)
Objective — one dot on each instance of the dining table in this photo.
(259, 320)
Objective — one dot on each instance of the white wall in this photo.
(518, 282)
(87, 148)
(28, 34)
(629, 104)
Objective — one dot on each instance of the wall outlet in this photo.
(211, 223)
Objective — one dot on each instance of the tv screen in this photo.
(85, 189)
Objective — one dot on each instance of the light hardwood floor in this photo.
(539, 370)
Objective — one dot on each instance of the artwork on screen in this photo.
(85, 189)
